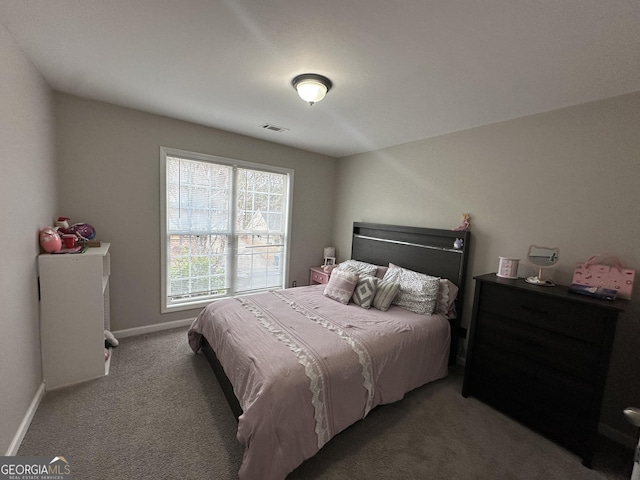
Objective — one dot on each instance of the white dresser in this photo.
(74, 312)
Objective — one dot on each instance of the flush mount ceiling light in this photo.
(311, 87)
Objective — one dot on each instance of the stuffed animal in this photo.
(50, 240)
(328, 268)
(110, 340)
(83, 231)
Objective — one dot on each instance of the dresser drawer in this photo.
(568, 318)
(536, 383)
(559, 424)
(560, 352)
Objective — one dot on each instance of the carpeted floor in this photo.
(161, 414)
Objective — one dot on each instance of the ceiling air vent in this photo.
(274, 128)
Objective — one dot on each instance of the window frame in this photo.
(165, 305)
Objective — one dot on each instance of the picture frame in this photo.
(329, 260)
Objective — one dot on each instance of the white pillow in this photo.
(361, 268)
(418, 292)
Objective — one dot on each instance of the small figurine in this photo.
(62, 224)
(465, 224)
(458, 243)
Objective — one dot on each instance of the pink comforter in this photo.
(305, 367)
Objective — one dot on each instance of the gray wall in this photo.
(109, 160)
(566, 178)
(27, 203)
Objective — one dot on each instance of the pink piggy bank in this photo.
(50, 241)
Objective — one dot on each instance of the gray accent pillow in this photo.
(341, 285)
(365, 291)
(418, 292)
(385, 294)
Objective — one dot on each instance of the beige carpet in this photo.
(161, 414)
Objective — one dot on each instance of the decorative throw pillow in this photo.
(341, 285)
(385, 294)
(418, 292)
(445, 303)
(365, 291)
(361, 268)
(380, 271)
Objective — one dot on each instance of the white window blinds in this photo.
(225, 228)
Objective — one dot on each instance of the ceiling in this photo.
(402, 70)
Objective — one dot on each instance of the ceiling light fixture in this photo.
(311, 87)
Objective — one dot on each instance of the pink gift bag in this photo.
(615, 277)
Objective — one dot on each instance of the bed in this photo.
(298, 367)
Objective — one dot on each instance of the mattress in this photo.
(305, 367)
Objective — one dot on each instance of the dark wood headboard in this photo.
(424, 250)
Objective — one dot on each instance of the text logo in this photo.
(35, 468)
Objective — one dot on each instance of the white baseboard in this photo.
(157, 327)
(26, 422)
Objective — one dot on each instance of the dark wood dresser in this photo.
(541, 355)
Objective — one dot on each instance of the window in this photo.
(225, 228)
